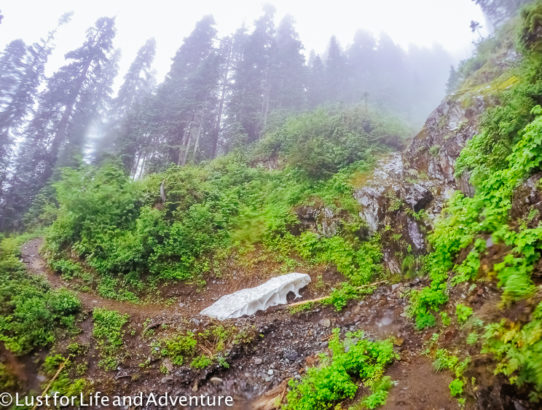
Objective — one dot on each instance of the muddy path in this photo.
(287, 345)
(35, 264)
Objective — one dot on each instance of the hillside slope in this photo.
(425, 262)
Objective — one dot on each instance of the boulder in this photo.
(249, 301)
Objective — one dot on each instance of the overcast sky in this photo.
(419, 22)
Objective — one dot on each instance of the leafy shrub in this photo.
(340, 296)
(180, 347)
(30, 312)
(462, 313)
(322, 142)
(204, 348)
(530, 38)
(444, 360)
(201, 362)
(355, 358)
(518, 350)
(456, 387)
(67, 268)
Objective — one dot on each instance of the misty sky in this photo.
(419, 22)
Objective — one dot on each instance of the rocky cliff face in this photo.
(408, 190)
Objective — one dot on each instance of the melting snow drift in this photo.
(249, 301)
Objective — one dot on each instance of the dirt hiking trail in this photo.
(258, 372)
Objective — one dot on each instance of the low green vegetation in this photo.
(179, 347)
(108, 333)
(68, 382)
(321, 143)
(180, 224)
(506, 152)
(462, 313)
(444, 360)
(351, 361)
(31, 314)
(8, 381)
(468, 220)
(519, 350)
(203, 348)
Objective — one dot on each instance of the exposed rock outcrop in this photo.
(419, 179)
(320, 219)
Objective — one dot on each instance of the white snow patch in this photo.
(249, 301)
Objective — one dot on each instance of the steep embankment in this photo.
(408, 190)
(463, 203)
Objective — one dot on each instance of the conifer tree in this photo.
(361, 67)
(126, 131)
(250, 99)
(186, 98)
(316, 92)
(56, 134)
(226, 56)
(287, 68)
(21, 72)
(335, 69)
(12, 68)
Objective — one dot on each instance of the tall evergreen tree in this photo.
(12, 69)
(335, 69)
(316, 90)
(56, 133)
(361, 67)
(21, 72)
(250, 99)
(187, 96)
(390, 75)
(287, 68)
(227, 54)
(128, 116)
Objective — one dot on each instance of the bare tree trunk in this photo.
(142, 166)
(163, 191)
(198, 135)
(226, 74)
(188, 142)
(181, 146)
(265, 103)
(135, 166)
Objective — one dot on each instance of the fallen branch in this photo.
(60, 368)
(303, 302)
